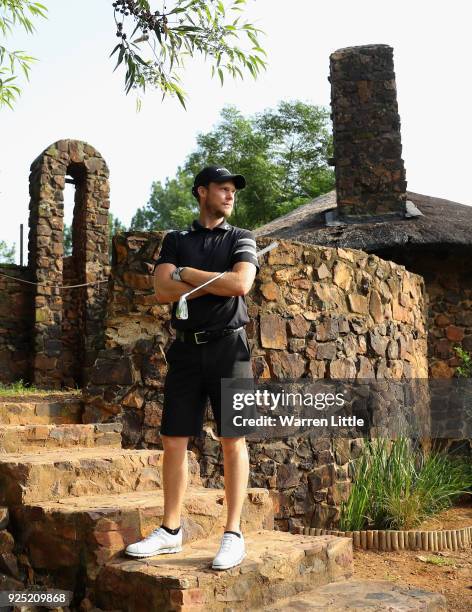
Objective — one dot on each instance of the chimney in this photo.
(370, 175)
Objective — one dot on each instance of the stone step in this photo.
(51, 474)
(24, 438)
(89, 531)
(363, 596)
(59, 410)
(278, 564)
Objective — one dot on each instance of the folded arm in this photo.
(237, 281)
(168, 290)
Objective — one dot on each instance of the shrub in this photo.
(396, 485)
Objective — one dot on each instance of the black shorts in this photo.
(194, 374)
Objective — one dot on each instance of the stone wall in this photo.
(448, 280)
(16, 320)
(449, 288)
(315, 312)
(370, 176)
(89, 172)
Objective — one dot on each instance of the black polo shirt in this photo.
(212, 250)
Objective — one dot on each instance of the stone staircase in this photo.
(75, 499)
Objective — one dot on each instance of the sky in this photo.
(73, 93)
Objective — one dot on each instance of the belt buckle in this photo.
(196, 339)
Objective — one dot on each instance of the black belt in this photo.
(204, 336)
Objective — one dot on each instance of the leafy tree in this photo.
(282, 153)
(189, 28)
(7, 254)
(152, 45)
(170, 205)
(15, 13)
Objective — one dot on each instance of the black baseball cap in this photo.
(217, 174)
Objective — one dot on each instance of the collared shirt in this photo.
(212, 250)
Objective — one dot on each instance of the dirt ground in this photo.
(446, 572)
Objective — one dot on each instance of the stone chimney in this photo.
(370, 175)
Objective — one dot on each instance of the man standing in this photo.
(211, 344)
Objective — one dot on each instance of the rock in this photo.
(118, 371)
(326, 350)
(317, 369)
(270, 291)
(323, 272)
(133, 399)
(273, 331)
(287, 365)
(454, 333)
(152, 414)
(392, 349)
(342, 368)
(260, 367)
(366, 369)
(327, 330)
(288, 476)
(378, 343)
(338, 493)
(342, 275)
(358, 303)
(440, 369)
(296, 345)
(299, 326)
(375, 306)
(322, 477)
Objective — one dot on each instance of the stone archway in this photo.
(68, 325)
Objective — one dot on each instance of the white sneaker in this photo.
(158, 542)
(232, 552)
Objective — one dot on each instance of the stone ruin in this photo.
(51, 335)
(316, 312)
(80, 478)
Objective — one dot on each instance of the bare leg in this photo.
(236, 467)
(175, 477)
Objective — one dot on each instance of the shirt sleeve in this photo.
(245, 249)
(168, 252)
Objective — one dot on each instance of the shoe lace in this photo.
(153, 533)
(227, 541)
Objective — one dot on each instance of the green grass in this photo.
(435, 560)
(21, 388)
(397, 485)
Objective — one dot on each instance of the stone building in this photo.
(371, 210)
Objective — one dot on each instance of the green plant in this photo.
(464, 370)
(396, 485)
(15, 13)
(20, 387)
(153, 46)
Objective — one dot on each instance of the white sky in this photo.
(74, 94)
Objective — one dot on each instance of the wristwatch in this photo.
(176, 273)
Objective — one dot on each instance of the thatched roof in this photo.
(443, 223)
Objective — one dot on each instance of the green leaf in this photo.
(115, 49)
(120, 56)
